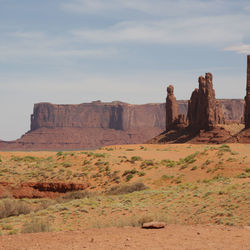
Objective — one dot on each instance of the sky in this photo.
(76, 51)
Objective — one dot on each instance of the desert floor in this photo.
(172, 237)
(200, 191)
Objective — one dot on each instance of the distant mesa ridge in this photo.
(95, 124)
(115, 115)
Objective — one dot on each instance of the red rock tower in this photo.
(171, 108)
(247, 98)
(204, 111)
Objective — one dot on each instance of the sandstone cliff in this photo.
(115, 115)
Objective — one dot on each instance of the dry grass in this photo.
(187, 184)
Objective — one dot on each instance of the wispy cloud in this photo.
(241, 48)
(19, 45)
(218, 30)
(156, 7)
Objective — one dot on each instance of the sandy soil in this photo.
(172, 237)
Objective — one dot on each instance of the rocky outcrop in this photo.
(172, 110)
(247, 98)
(204, 117)
(39, 190)
(204, 111)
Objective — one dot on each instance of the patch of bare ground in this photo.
(172, 237)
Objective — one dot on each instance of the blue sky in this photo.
(75, 51)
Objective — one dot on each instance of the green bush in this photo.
(135, 158)
(147, 163)
(59, 153)
(168, 163)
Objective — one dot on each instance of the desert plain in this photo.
(99, 199)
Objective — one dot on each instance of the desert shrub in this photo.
(99, 155)
(225, 148)
(125, 189)
(141, 174)
(242, 175)
(129, 177)
(76, 195)
(135, 158)
(183, 167)
(127, 172)
(11, 207)
(147, 163)
(189, 159)
(45, 203)
(7, 227)
(36, 225)
(206, 163)
(168, 163)
(66, 164)
(60, 153)
(109, 149)
(102, 163)
(194, 168)
(86, 162)
(167, 177)
(12, 232)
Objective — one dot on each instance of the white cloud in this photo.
(247, 8)
(202, 30)
(241, 48)
(156, 7)
(18, 45)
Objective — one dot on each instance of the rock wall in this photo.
(204, 111)
(247, 98)
(115, 115)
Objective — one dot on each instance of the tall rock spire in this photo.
(247, 98)
(171, 108)
(204, 111)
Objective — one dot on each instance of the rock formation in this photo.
(204, 115)
(204, 111)
(114, 115)
(172, 110)
(96, 124)
(247, 98)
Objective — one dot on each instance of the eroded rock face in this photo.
(247, 98)
(204, 111)
(39, 190)
(171, 108)
(115, 115)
